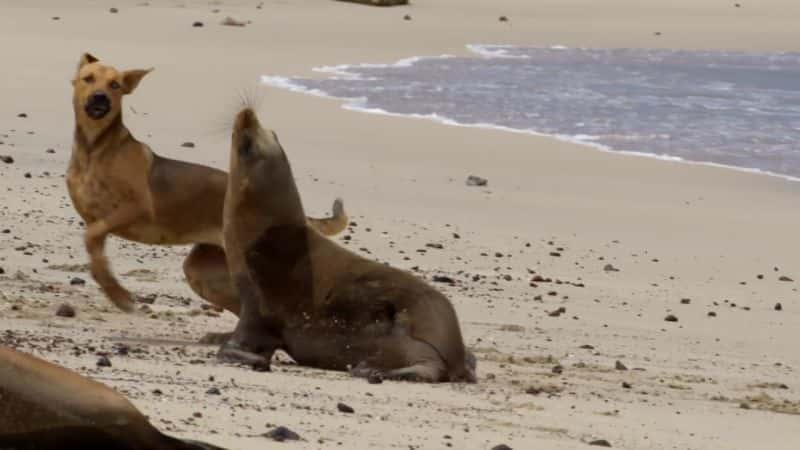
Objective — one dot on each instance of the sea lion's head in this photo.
(98, 90)
(261, 188)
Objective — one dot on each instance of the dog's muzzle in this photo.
(98, 105)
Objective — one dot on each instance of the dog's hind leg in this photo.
(206, 270)
(95, 239)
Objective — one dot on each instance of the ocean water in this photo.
(740, 110)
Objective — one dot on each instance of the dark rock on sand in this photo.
(103, 361)
(474, 180)
(345, 408)
(619, 366)
(281, 434)
(378, 2)
(75, 281)
(671, 318)
(600, 443)
(778, 307)
(7, 159)
(65, 310)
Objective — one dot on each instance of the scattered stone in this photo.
(558, 370)
(686, 301)
(671, 318)
(345, 408)
(544, 389)
(113, 10)
(188, 144)
(610, 268)
(407, 17)
(103, 361)
(502, 447)
(619, 366)
(197, 24)
(281, 434)
(22, 115)
(7, 159)
(443, 279)
(231, 22)
(474, 180)
(434, 245)
(712, 314)
(760, 276)
(213, 391)
(785, 278)
(657, 33)
(778, 307)
(76, 281)
(626, 385)
(50, 150)
(28, 175)
(587, 347)
(502, 19)
(65, 310)
(374, 378)
(600, 443)
(557, 312)
(56, 18)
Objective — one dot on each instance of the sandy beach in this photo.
(625, 241)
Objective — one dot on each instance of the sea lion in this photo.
(324, 305)
(47, 407)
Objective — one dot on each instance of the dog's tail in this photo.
(330, 226)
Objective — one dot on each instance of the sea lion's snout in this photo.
(98, 105)
(246, 120)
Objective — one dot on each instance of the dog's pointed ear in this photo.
(86, 58)
(131, 79)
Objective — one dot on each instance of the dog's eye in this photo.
(114, 85)
(89, 79)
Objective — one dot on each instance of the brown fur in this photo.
(44, 406)
(324, 305)
(120, 186)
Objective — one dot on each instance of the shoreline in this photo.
(483, 51)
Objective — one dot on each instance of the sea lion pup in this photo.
(324, 305)
(120, 186)
(47, 407)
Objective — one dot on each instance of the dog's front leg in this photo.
(95, 239)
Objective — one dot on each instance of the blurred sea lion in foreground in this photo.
(47, 407)
(324, 305)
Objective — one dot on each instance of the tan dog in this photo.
(120, 186)
(47, 407)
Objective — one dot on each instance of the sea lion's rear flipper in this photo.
(333, 225)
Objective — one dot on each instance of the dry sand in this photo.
(674, 231)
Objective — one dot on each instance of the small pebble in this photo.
(75, 281)
(503, 19)
(281, 434)
(113, 10)
(65, 310)
(778, 307)
(103, 361)
(345, 408)
(671, 318)
(619, 366)
(213, 391)
(600, 443)
(197, 24)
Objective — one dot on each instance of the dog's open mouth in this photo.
(97, 109)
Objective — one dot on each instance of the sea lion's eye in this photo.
(114, 85)
(246, 146)
(88, 79)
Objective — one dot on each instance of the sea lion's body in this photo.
(324, 305)
(44, 406)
